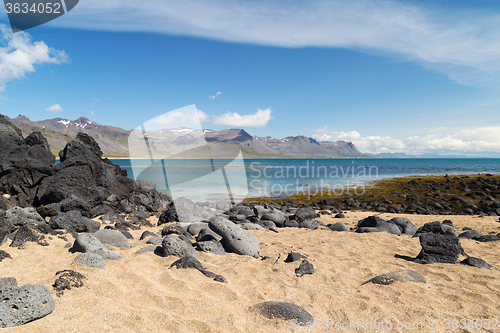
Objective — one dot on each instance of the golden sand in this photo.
(139, 293)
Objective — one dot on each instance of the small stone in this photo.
(66, 280)
(286, 311)
(401, 276)
(305, 268)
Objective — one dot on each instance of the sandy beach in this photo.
(139, 293)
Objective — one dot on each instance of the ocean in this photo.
(225, 179)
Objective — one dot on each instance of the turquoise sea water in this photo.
(206, 179)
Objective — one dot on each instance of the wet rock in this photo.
(21, 305)
(401, 276)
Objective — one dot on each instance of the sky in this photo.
(418, 77)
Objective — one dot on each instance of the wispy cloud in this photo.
(258, 119)
(464, 44)
(216, 95)
(56, 108)
(19, 55)
(438, 141)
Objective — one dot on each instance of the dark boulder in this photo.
(169, 215)
(476, 262)
(311, 224)
(470, 234)
(439, 248)
(405, 225)
(303, 214)
(73, 221)
(436, 227)
(24, 162)
(378, 223)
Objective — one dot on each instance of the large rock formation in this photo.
(83, 181)
(24, 163)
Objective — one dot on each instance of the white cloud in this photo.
(258, 119)
(216, 95)
(181, 117)
(19, 55)
(464, 44)
(56, 108)
(438, 141)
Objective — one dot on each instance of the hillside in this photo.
(182, 141)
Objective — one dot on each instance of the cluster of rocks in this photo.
(82, 182)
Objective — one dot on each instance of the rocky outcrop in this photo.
(83, 181)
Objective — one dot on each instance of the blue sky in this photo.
(414, 77)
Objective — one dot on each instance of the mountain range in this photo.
(182, 141)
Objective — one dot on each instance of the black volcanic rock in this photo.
(439, 248)
(24, 162)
